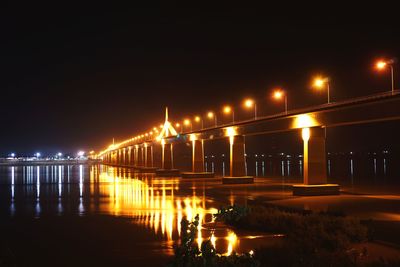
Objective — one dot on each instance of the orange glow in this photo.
(319, 82)
(278, 94)
(186, 122)
(227, 109)
(177, 124)
(305, 134)
(380, 65)
(230, 131)
(197, 119)
(248, 103)
(210, 115)
(304, 121)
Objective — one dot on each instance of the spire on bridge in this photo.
(167, 130)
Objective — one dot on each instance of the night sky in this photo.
(73, 76)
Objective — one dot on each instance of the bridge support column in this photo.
(314, 165)
(135, 155)
(197, 161)
(120, 157)
(237, 162)
(148, 160)
(115, 160)
(139, 156)
(124, 154)
(167, 161)
(130, 156)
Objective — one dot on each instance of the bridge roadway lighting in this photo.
(278, 95)
(187, 122)
(319, 83)
(37, 155)
(382, 65)
(178, 125)
(228, 110)
(211, 115)
(199, 119)
(249, 103)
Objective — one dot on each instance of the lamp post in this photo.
(249, 103)
(199, 119)
(178, 125)
(319, 83)
(382, 64)
(211, 115)
(187, 122)
(227, 110)
(278, 95)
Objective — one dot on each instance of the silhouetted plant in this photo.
(187, 253)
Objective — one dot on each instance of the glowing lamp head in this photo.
(177, 124)
(227, 109)
(248, 103)
(59, 154)
(319, 82)
(37, 154)
(81, 153)
(186, 122)
(210, 115)
(380, 65)
(278, 94)
(13, 155)
(197, 119)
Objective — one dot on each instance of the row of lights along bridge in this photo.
(319, 83)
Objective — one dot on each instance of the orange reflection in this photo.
(153, 202)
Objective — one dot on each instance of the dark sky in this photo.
(73, 76)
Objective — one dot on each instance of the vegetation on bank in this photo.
(310, 239)
(188, 253)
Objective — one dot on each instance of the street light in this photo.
(211, 115)
(382, 65)
(249, 103)
(278, 95)
(178, 125)
(187, 122)
(37, 154)
(319, 83)
(12, 155)
(198, 119)
(228, 110)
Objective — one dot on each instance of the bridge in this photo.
(311, 123)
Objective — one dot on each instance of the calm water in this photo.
(155, 206)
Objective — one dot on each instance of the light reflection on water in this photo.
(157, 204)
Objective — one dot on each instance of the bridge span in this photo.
(311, 123)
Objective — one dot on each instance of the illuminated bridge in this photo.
(311, 123)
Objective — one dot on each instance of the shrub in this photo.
(187, 253)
